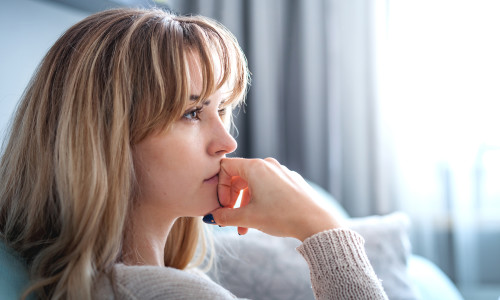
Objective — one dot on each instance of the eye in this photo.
(222, 111)
(193, 114)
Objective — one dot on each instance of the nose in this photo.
(222, 142)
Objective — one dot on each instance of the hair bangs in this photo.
(159, 79)
(223, 63)
(163, 79)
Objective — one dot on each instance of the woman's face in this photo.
(177, 170)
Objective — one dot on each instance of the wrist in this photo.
(316, 227)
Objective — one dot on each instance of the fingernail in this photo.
(209, 219)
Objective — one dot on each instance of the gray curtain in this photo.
(310, 104)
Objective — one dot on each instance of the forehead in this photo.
(204, 75)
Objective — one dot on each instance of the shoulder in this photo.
(150, 282)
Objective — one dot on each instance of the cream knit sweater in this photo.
(337, 260)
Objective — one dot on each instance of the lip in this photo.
(213, 179)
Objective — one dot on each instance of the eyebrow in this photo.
(197, 97)
(206, 102)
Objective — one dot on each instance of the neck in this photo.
(145, 238)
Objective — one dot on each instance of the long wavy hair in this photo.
(67, 180)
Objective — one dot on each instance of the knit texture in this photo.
(339, 266)
(337, 262)
(150, 282)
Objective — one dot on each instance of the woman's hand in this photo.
(275, 200)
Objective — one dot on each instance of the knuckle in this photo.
(272, 160)
(255, 163)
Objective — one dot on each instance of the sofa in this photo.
(259, 266)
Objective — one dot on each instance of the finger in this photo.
(273, 161)
(242, 230)
(294, 175)
(230, 167)
(231, 216)
(297, 177)
(229, 194)
(245, 199)
(228, 186)
(237, 185)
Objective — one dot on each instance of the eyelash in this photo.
(188, 114)
(222, 111)
(197, 111)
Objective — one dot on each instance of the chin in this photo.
(204, 209)
(213, 204)
(210, 201)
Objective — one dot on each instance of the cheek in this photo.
(173, 181)
(162, 177)
(171, 170)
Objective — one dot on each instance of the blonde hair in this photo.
(67, 178)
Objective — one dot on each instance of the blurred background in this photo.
(390, 105)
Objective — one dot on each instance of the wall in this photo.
(27, 30)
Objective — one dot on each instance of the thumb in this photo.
(227, 216)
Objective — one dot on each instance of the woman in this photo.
(118, 149)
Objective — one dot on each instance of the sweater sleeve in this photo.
(339, 266)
